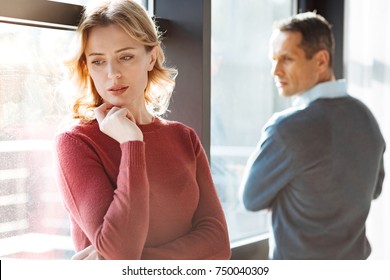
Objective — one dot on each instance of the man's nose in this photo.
(276, 69)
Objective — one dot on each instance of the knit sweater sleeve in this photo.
(115, 220)
(208, 238)
(268, 171)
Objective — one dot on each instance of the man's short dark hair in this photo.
(316, 33)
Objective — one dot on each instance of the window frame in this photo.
(34, 13)
(190, 32)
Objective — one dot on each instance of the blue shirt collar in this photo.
(331, 89)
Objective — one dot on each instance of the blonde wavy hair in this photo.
(133, 18)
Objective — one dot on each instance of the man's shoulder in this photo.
(299, 125)
(290, 116)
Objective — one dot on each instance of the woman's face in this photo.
(118, 65)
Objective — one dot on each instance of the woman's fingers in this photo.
(106, 110)
(120, 112)
(89, 253)
(112, 111)
(118, 123)
(100, 112)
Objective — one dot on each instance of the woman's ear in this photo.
(153, 57)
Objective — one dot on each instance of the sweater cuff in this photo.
(133, 153)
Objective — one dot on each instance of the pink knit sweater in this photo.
(141, 200)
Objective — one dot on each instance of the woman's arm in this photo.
(115, 220)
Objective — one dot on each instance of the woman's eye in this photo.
(126, 57)
(97, 62)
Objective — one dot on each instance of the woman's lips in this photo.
(117, 90)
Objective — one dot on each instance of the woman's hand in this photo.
(88, 253)
(118, 123)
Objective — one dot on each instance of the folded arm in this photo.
(115, 221)
(267, 172)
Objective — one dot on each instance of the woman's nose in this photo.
(113, 71)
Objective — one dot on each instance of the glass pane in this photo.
(367, 62)
(242, 98)
(33, 222)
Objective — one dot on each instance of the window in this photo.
(33, 222)
(367, 62)
(33, 104)
(243, 97)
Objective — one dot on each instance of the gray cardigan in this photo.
(317, 167)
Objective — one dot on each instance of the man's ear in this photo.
(153, 57)
(322, 58)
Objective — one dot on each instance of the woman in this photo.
(136, 186)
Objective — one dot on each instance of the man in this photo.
(319, 164)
